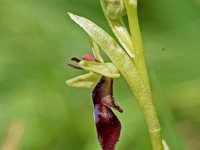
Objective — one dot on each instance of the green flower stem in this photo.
(147, 109)
(131, 8)
(144, 97)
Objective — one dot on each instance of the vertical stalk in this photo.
(144, 100)
(120, 31)
(150, 116)
(131, 9)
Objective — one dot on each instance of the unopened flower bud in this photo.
(115, 8)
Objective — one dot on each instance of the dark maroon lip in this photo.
(107, 124)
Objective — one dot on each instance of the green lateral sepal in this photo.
(88, 80)
(104, 69)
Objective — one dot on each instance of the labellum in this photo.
(107, 124)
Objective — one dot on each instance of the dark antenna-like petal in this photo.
(74, 66)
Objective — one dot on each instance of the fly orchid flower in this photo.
(107, 124)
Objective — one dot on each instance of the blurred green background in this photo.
(37, 37)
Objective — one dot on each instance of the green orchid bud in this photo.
(115, 8)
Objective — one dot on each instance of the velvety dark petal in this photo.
(108, 127)
(102, 89)
(109, 101)
(107, 124)
(103, 93)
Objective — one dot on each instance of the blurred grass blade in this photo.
(13, 137)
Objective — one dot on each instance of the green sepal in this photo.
(96, 52)
(104, 69)
(88, 80)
